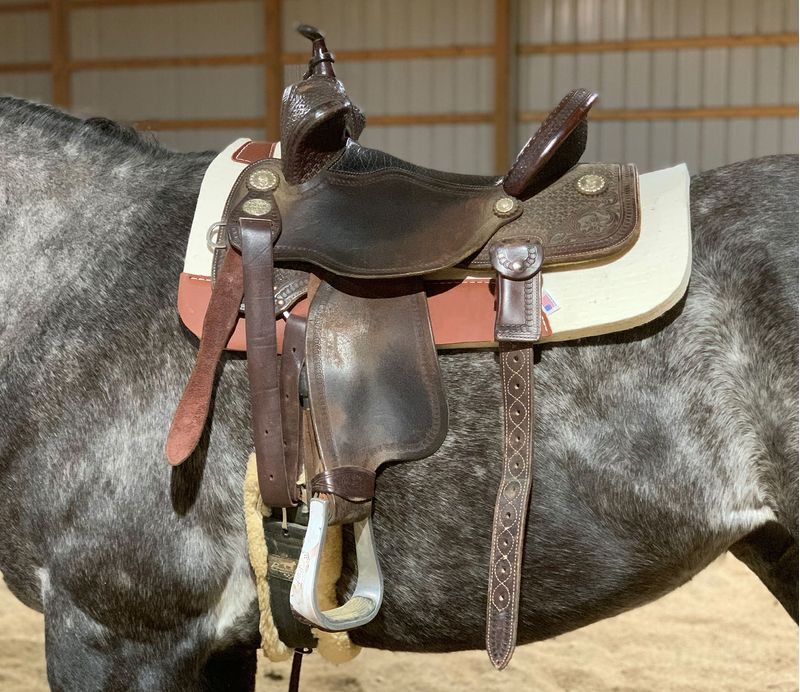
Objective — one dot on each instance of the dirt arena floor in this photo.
(723, 632)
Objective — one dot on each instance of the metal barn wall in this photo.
(674, 86)
(688, 78)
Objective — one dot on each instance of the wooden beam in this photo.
(81, 4)
(489, 118)
(785, 39)
(374, 121)
(430, 119)
(59, 53)
(724, 112)
(200, 124)
(397, 54)
(176, 61)
(273, 72)
(263, 58)
(503, 109)
(24, 7)
(22, 67)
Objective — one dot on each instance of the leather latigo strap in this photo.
(511, 507)
(223, 311)
(278, 488)
(518, 264)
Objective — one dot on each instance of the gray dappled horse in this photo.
(657, 449)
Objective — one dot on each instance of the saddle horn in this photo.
(317, 116)
(322, 59)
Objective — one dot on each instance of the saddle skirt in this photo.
(623, 291)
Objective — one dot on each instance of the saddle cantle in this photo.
(353, 232)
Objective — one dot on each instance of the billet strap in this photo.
(223, 311)
(518, 326)
(511, 507)
(278, 488)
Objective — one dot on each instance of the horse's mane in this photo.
(99, 131)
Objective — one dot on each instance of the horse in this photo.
(657, 448)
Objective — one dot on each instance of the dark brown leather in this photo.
(223, 311)
(557, 146)
(575, 227)
(290, 284)
(357, 220)
(511, 508)
(370, 407)
(519, 290)
(253, 151)
(344, 233)
(350, 482)
(292, 359)
(317, 117)
(278, 489)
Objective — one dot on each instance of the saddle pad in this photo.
(584, 300)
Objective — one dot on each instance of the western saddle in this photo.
(355, 232)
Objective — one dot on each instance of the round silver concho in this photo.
(263, 180)
(256, 207)
(591, 184)
(505, 206)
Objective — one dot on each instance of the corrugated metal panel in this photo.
(167, 30)
(24, 38)
(203, 140)
(664, 79)
(209, 92)
(404, 87)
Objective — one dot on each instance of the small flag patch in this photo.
(549, 304)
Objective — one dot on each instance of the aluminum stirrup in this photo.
(365, 602)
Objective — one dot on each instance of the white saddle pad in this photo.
(585, 300)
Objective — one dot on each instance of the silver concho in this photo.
(591, 184)
(257, 207)
(505, 206)
(263, 180)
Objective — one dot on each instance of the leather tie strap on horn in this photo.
(518, 264)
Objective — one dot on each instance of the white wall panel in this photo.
(662, 144)
(664, 84)
(713, 143)
(36, 87)
(663, 79)
(789, 135)
(741, 139)
(24, 37)
(203, 140)
(466, 148)
(167, 30)
(211, 92)
(361, 24)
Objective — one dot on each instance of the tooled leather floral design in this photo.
(569, 223)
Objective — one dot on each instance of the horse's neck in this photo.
(89, 213)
